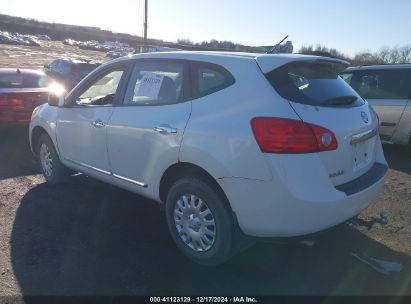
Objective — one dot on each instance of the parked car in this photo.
(69, 72)
(232, 144)
(21, 91)
(387, 88)
(43, 37)
(18, 39)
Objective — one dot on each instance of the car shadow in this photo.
(398, 157)
(16, 157)
(89, 238)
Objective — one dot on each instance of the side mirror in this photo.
(55, 100)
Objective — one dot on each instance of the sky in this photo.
(350, 26)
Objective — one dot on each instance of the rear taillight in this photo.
(13, 102)
(24, 99)
(282, 135)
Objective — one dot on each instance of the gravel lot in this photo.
(89, 238)
(33, 57)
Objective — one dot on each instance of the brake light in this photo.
(13, 101)
(282, 135)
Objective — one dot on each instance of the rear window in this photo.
(383, 84)
(84, 67)
(313, 83)
(20, 80)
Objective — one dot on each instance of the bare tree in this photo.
(384, 55)
(394, 55)
(365, 58)
(322, 50)
(184, 41)
(405, 54)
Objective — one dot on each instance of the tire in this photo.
(186, 211)
(53, 170)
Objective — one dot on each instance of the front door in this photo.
(81, 124)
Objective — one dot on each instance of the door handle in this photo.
(165, 129)
(98, 123)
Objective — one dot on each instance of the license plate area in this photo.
(363, 153)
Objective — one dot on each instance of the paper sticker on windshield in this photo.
(150, 85)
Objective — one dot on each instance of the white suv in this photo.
(232, 143)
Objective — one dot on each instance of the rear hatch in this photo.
(319, 96)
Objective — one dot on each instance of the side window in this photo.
(211, 78)
(347, 77)
(384, 84)
(64, 67)
(155, 83)
(102, 90)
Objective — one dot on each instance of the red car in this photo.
(21, 91)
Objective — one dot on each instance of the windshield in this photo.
(313, 83)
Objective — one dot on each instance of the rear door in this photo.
(388, 93)
(146, 128)
(319, 96)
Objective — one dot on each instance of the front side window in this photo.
(383, 84)
(155, 83)
(102, 91)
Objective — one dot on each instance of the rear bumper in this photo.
(277, 209)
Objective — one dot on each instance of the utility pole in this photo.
(145, 27)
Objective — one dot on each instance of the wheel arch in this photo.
(35, 135)
(181, 169)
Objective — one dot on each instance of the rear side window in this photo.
(313, 83)
(155, 83)
(383, 84)
(20, 80)
(210, 78)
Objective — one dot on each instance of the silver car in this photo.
(387, 88)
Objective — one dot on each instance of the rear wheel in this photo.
(53, 170)
(200, 221)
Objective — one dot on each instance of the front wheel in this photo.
(200, 221)
(53, 170)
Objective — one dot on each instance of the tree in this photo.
(365, 58)
(184, 41)
(322, 50)
(405, 54)
(395, 56)
(384, 55)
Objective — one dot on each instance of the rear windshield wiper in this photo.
(340, 101)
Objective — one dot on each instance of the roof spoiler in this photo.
(267, 63)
